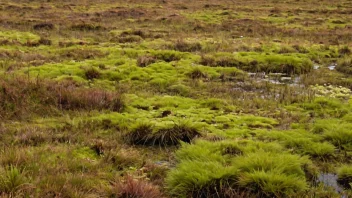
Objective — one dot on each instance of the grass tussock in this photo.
(335, 131)
(205, 166)
(144, 134)
(344, 174)
(12, 182)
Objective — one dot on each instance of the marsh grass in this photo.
(21, 97)
(12, 181)
(205, 166)
(184, 46)
(74, 76)
(131, 187)
(144, 134)
(345, 65)
(344, 174)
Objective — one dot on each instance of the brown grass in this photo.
(134, 188)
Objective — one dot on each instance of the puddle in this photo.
(276, 78)
(330, 180)
(332, 67)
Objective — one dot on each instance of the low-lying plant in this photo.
(131, 187)
(12, 181)
(204, 166)
(144, 134)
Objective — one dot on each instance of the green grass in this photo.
(12, 180)
(266, 171)
(17, 36)
(344, 174)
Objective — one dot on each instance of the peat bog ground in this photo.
(175, 98)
